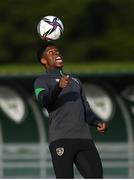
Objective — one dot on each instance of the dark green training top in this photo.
(69, 112)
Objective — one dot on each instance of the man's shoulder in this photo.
(76, 79)
(41, 78)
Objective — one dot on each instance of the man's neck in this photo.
(57, 71)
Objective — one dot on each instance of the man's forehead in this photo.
(52, 47)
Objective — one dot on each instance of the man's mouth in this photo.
(59, 59)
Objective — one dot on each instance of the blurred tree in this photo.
(94, 26)
(94, 29)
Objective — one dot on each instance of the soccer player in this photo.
(70, 116)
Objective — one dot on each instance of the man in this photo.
(69, 118)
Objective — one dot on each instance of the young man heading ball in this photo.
(70, 116)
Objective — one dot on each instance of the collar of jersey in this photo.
(58, 72)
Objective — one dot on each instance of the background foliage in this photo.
(95, 30)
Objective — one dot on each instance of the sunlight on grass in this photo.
(101, 67)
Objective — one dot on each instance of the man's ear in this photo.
(43, 61)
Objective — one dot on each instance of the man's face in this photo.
(52, 58)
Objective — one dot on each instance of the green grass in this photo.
(100, 67)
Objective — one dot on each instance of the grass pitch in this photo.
(84, 68)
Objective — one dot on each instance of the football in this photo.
(50, 28)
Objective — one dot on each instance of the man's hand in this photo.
(102, 127)
(64, 81)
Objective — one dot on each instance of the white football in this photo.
(50, 28)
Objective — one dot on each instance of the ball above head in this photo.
(50, 28)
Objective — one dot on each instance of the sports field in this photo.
(99, 67)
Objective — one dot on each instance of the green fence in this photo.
(23, 126)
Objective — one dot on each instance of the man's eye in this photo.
(50, 52)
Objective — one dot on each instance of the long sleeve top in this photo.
(69, 112)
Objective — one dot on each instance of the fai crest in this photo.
(60, 151)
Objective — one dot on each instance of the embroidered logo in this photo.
(60, 151)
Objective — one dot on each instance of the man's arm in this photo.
(44, 94)
(47, 96)
(91, 118)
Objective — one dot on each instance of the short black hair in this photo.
(42, 48)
